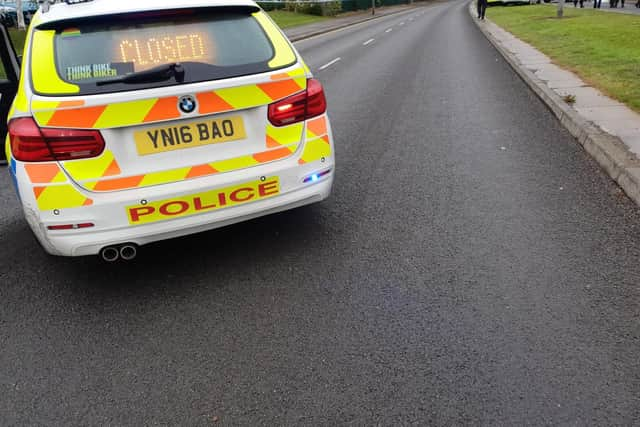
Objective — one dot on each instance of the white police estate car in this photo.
(140, 121)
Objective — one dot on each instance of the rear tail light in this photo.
(301, 106)
(30, 143)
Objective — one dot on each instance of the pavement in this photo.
(608, 129)
(473, 266)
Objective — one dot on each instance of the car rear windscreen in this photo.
(208, 46)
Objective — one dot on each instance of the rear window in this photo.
(208, 46)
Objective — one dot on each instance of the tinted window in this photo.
(210, 47)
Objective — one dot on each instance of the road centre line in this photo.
(389, 30)
(402, 23)
(328, 64)
(368, 41)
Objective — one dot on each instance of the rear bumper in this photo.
(113, 227)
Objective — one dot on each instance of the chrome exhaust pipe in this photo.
(128, 251)
(109, 253)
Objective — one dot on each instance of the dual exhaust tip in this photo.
(126, 252)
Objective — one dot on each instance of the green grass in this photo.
(291, 19)
(17, 37)
(602, 48)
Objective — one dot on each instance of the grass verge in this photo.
(602, 48)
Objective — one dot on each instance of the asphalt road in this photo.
(473, 266)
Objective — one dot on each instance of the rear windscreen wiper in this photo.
(156, 74)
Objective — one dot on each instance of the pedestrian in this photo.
(597, 4)
(575, 3)
(482, 8)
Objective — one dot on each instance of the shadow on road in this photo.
(177, 262)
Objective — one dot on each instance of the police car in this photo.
(138, 121)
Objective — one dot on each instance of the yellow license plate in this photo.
(203, 202)
(187, 135)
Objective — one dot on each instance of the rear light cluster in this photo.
(299, 107)
(30, 143)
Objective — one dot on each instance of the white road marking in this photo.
(339, 30)
(389, 30)
(368, 41)
(402, 23)
(328, 64)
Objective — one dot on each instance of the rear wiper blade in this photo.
(156, 74)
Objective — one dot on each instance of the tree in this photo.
(20, 15)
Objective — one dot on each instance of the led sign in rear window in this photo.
(149, 49)
(209, 47)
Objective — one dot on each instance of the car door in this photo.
(9, 75)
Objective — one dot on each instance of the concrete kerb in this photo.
(348, 24)
(609, 151)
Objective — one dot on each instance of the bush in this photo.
(331, 8)
(271, 6)
(325, 8)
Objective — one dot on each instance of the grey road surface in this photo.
(473, 266)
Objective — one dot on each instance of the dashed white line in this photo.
(368, 41)
(389, 30)
(402, 23)
(328, 64)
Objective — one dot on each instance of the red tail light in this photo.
(299, 107)
(30, 143)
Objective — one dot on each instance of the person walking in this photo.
(482, 8)
(597, 4)
(575, 3)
